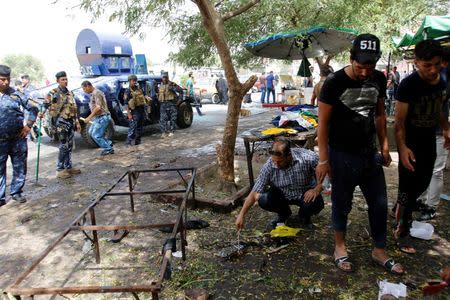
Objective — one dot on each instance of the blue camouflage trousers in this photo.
(16, 149)
(65, 130)
(168, 117)
(136, 125)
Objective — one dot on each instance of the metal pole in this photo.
(130, 186)
(38, 145)
(94, 233)
(183, 238)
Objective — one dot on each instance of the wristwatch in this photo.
(29, 126)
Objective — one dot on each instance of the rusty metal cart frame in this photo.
(79, 224)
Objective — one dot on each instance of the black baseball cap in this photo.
(366, 49)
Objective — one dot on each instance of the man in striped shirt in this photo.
(287, 178)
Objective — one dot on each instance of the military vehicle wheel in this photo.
(185, 115)
(215, 98)
(89, 140)
(52, 135)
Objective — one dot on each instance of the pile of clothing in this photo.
(300, 117)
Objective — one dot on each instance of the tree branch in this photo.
(218, 3)
(240, 10)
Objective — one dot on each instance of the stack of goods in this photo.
(300, 117)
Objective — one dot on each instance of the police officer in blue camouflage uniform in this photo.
(62, 109)
(168, 96)
(27, 89)
(136, 101)
(13, 133)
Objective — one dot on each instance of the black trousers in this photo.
(273, 200)
(411, 185)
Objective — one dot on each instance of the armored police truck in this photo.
(106, 60)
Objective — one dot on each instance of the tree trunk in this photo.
(213, 23)
(323, 64)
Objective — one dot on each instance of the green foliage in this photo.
(184, 26)
(21, 64)
(183, 80)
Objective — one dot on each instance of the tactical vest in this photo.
(137, 98)
(165, 94)
(64, 106)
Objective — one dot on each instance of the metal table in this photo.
(303, 139)
(278, 105)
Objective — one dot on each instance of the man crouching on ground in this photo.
(287, 178)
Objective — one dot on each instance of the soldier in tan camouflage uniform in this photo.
(168, 96)
(136, 102)
(62, 109)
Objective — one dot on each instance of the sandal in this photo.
(405, 246)
(343, 260)
(389, 264)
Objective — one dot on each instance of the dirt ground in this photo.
(302, 270)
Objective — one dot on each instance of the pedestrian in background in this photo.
(262, 81)
(324, 72)
(390, 86)
(61, 106)
(27, 87)
(190, 92)
(222, 89)
(100, 116)
(270, 84)
(13, 133)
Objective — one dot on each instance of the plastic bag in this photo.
(284, 231)
(421, 230)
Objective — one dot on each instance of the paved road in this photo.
(214, 116)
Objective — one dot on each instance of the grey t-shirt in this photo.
(98, 98)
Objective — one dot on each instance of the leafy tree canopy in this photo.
(185, 29)
(21, 64)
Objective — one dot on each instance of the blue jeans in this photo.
(97, 131)
(365, 170)
(271, 91)
(16, 149)
(263, 93)
(274, 201)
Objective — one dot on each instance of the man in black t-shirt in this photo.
(420, 99)
(351, 113)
